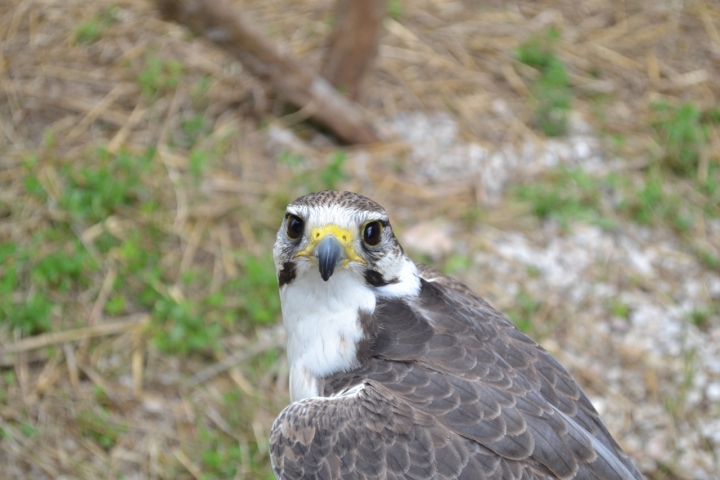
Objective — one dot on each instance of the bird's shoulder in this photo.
(430, 274)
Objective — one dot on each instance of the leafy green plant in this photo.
(32, 316)
(29, 279)
(258, 286)
(220, 459)
(682, 132)
(28, 430)
(394, 9)
(652, 204)
(523, 311)
(184, 328)
(34, 187)
(572, 195)
(537, 51)
(710, 260)
(199, 93)
(456, 263)
(568, 195)
(194, 128)
(701, 318)
(290, 158)
(178, 326)
(682, 135)
(115, 305)
(96, 425)
(89, 32)
(308, 180)
(473, 215)
(619, 309)
(65, 268)
(92, 193)
(159, 75)
(332, 174)
(197, 162)
(551, 89)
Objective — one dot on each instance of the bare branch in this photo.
(223, 25)
(353, 44)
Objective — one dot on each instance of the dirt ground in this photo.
(143, 175)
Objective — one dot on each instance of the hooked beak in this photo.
(330, 247)
(329, 252)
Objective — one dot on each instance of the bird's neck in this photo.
(322, 320)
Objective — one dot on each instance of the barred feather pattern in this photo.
(447, 388)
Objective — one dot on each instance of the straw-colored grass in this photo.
(142, 178)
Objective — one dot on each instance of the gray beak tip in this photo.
(328, 252)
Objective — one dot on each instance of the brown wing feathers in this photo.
(451, 389)
(376, 435)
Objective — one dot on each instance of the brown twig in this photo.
(53, 338)
(350, 57)
(220, 23)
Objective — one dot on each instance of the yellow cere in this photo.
(344, 236)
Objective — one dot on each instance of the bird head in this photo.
(328, 232)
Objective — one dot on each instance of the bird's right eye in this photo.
(295, 227)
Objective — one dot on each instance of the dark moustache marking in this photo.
(375, 279)
(287, 274)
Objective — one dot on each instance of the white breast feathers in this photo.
(323, 326)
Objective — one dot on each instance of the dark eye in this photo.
(295, 227)
(372, 233)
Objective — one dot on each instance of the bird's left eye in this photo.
(372, 233)
(295, 227)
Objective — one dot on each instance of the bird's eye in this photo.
(295, 227)
(372, 233)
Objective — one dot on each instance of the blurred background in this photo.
(561, 157)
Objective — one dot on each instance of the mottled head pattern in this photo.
(378, 265)
(349, 200)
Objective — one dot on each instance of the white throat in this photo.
(323, 326)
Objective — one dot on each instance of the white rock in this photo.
(713, 392)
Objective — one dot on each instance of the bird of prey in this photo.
(398, 371)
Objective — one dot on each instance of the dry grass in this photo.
(158, 358)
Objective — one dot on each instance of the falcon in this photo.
(398, 371)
